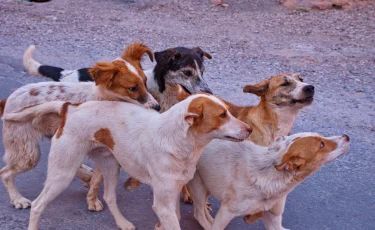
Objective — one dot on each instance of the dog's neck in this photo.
(267, 120)
(172, 127)
(167, 98)
(263, 175)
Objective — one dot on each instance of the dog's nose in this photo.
(250, 130)
(207, 90)
(156, 107)
(346, 137)
(309, 89)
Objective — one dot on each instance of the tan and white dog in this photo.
(249, 179)
(121, 80)
(160, 150)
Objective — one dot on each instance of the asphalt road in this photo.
(334, 50)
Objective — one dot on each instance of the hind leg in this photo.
(111, 171)
(21, 154)
(199, 195)
(63, 163)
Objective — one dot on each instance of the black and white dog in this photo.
(176, 66)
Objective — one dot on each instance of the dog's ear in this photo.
(103, 73)
(290, 163)
(167, 57)
(195, 110)
(202, 53)
(181, 93)
(259, 89)
(135, 52)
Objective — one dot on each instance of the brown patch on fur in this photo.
(249, 219)
(52, 86)
(132, 183)
(34, 92)
(104, 136)
(205, 114)
(2, 106)
(49, 92)
(61, 88)
(306, 155)
(63, 114)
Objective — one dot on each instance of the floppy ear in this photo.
(202, 53)
(259, 89)
(194, 111)
(135, 52)
(181, 94)
(290, 163)
(103, 73)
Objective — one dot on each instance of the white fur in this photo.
(160, 150)
(243, 178)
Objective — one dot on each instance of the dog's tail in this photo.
(2, 106)
(41, 109)
(34, 68)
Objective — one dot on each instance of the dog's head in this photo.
(208, 115)
(181, 66)
(305, 153)
(284, 90)
(124, 79)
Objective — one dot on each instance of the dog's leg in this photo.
(21, 154)
(164, 206)
(199, 197)
(84, 174)
(272, 218)
(94, 204)
(63, 163)
(111, 171)
(186, 195)
(222, 218)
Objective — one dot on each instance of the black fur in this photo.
(175, 59)
(50, 71)
(84, 75)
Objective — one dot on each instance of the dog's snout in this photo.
(156, 107)
(346, 137)
(309, 89)
(207, 90)
(249, 129)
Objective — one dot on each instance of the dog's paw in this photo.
(126, 226)
(132, 183)
(158, 226)
(21, 202)
(95, 205)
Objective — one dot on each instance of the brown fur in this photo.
(2, 106)
(34, 92)
(104, 136)
(63, 114)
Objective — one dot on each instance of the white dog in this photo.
(160, 150)
(249, 179)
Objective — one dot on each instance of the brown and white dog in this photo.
(120, 80)
(160, 150)
(249, 179)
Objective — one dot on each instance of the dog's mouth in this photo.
(186, 90)
(234, 139)
(306, 100)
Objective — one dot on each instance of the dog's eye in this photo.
(223, 115)
(321, 144)
(188, 73)
(285, 84)
(133, 89)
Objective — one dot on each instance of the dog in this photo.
(282, 97)
(249, 179)
(118, 80)
(176, 66)
(160, 150)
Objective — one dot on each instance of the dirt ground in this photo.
(251, 40)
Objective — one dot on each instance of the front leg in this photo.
(272, 218)
(165, 197)
(93, 202)
(222, 218)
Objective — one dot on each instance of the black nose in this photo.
(309, 89)
(346, 137)
(156, 107)
(207, 90)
